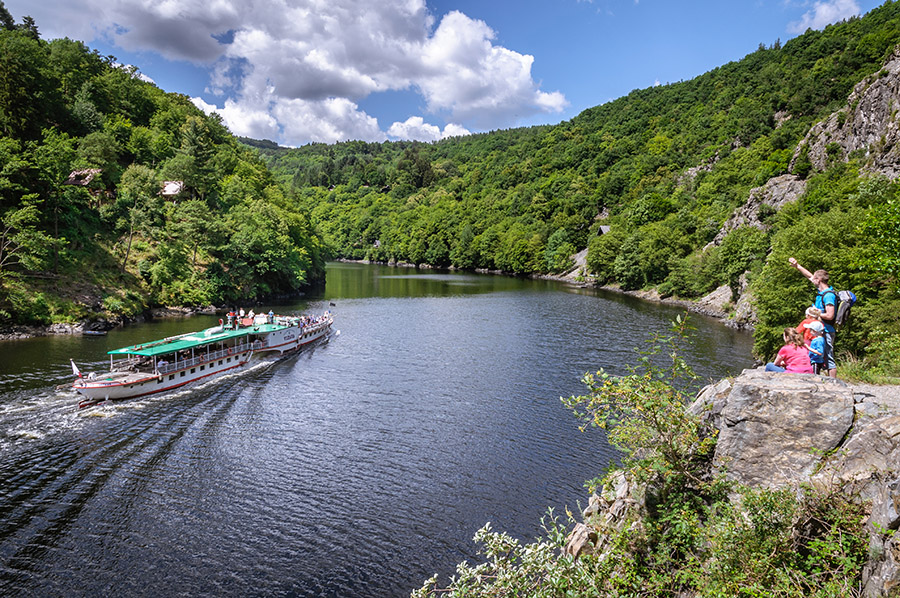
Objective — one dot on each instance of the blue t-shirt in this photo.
(818, 344)
(823, 298)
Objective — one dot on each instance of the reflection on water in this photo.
(359, 468)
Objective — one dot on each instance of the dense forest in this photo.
(116, 196)
(660, 169)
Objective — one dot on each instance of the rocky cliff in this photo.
(783, 431)
(868, 125)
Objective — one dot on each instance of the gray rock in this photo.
(581, 540)
(866, 124)
(781, 430)
(710, 401)
(869, 454)
(775, 428)
(776, 193)
(881, 575)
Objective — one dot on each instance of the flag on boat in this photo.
(75, 368)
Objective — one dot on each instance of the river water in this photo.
(360, 467)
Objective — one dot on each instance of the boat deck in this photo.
(192, 340)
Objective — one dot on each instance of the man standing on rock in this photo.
(826, 302)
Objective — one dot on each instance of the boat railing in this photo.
(201, 359)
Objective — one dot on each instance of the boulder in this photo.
(581, 540)
(775, 429)
(870, 454)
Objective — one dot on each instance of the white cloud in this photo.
(133, 70)
(825, 13)
(477, 81)
(330, 120)
(417, 129)
(295, 70)
(455, 130)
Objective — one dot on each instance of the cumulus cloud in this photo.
(330, 120)
(133, 70)
(417, 129)
(476, 81)
(825, 13)
(295, 70)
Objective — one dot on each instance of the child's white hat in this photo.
(816, 327)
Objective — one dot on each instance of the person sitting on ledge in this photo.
(793, 356)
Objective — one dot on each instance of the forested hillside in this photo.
(87, 227)
(663, 168)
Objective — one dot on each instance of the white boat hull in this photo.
(117, 385)
(114, 386)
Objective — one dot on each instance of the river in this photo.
(360, 467)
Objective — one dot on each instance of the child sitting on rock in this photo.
(793, 356)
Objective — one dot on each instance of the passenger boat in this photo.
(162, 365)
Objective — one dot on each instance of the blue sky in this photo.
(296, 71)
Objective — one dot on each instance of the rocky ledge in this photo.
(783, 430)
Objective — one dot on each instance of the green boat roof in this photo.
(190, 340)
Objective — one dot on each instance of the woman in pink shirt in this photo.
(793, 356)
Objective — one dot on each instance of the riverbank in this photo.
(813, 439)
(101, 324)
(717, 304)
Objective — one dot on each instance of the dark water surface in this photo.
(358, 468)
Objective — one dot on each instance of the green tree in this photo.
(139, 199)
(743, 249)
(23, 246)
(27, 91)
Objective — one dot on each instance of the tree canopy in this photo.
(85, 149)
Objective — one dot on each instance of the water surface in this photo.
(359, 468)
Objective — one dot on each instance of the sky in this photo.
(301, 71)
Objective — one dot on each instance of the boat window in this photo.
(229, 360)
(182, 374)
(193, 370)
(202, 367)
(159, 380)
(220, 362)
(172, 377)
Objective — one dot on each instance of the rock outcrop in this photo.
(781, 430)
(867, 124)
(771, 197)
(774, 430)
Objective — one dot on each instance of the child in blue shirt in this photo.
(816, 346)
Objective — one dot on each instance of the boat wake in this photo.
(56, 410)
